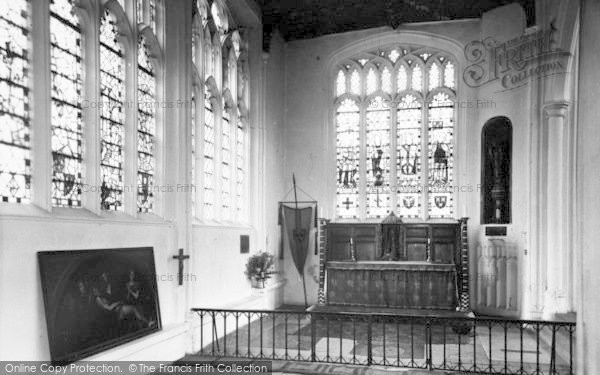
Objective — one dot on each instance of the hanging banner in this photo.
(297, 224)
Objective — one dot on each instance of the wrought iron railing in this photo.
(470, 345)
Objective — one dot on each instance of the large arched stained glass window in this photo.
(112, 119)
(66, 67)
(146, 128)
(395, 116)
(15, 158)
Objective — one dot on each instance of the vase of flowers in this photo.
(259, 268)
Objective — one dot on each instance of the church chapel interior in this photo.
(406, 184)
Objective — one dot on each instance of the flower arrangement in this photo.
(260, 268)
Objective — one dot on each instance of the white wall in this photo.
(22, 319)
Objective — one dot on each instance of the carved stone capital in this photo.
(556, 109)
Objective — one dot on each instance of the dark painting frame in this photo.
(97, 299)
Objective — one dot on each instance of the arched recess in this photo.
(496, 158)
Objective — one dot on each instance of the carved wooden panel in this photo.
(364, 237)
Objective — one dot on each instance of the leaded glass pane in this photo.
(449, 75)
(355, 82)
(402, 80)
(408, 154)
(441, 155)
(146, 128)
(340, 83)
(225, 164)
(386, 80)
(240, 163)
(394, 55)
(417, 78)
(209, 157)
(15, 158)
(66, 75)
(434, 76)
(112, 118)
(348, 154)
(378, 158)
(371, 81)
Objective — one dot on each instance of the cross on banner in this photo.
(180, 257)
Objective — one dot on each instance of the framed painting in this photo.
(97, 299)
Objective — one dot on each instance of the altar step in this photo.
(429, 313)
(280, 367)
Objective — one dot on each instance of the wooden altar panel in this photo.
(444, 243)
(384, 284)
(416, 239)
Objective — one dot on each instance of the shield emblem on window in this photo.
(409, 202)
(440, 201)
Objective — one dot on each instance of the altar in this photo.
(415, 265)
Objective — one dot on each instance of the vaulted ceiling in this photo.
(302, 19)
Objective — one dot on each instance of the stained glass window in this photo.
(209, 156)
(402, 80)
(66, 75)
(348, 159)
(378, 157)
(449, 75)
(146, 128)
(225, 163)
(386, 80)
(340, 83)
(434, 76)
(441, 155)
(240, 163)
(417, 78)
(112, 118)
(408, 160)
(371, 81)
(394, 161)
(15, 158)
(355, 82)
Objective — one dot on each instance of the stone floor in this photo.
(311, 368)
(394, 345)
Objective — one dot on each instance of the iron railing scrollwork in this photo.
(461, 344)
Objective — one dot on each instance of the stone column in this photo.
(554, 202)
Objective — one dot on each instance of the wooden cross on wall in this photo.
(180, 257)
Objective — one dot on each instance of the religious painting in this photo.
(97, 299)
